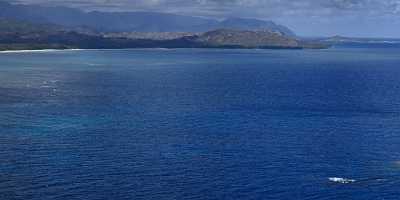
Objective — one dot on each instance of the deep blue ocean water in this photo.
(200, 124)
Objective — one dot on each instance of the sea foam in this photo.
(38, 51)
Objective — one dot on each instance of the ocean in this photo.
(201, 124)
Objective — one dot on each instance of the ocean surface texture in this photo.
(200, 124)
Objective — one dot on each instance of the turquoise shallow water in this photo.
(200, 124)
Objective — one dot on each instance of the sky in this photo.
(362, 18)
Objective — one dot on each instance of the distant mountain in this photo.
(254, 24)
(33, 31)
(129, 21)
(222, 38)
(247, 39)
(341, 39)
(10, 25)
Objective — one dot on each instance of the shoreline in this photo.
(155, 48)
(38, 50)
(61, 50)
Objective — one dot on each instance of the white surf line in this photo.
(56, 50)
(39, 50)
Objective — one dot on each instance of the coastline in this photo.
(44, 50)
(38, 50)
(61, 50)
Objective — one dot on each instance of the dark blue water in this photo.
(200, 124)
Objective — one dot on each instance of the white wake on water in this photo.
(341, 180)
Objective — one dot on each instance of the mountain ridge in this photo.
(15, 39)
(247, 39)
(130, 21)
